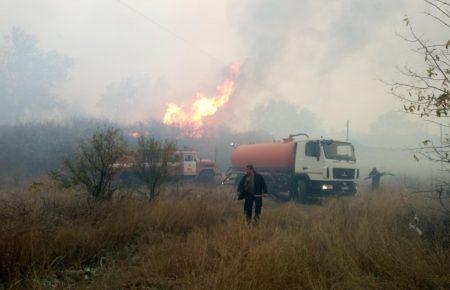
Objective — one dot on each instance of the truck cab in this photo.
(192, 167)
(303, 168)
(188, 162)
(324, 167)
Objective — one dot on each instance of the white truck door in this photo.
(308, 159)
(189, 165)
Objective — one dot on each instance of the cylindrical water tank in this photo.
(277, 157)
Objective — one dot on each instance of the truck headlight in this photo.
(327, 187)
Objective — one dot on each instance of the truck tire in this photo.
(302, 190)
(292, 188)
(299, 190)
(270, 183)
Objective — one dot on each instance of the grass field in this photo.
(196, 239)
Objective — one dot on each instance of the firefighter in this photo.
(375, 175)
(252, 187)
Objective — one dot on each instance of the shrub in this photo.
(94, 164)
(152, 163)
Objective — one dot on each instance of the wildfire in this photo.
(137, 134)
(202, 107)
(134, 134)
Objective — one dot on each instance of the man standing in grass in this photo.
(252, 187)
(375, 175)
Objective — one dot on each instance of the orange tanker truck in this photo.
(303, 168)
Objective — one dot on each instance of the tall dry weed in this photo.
(196, 238)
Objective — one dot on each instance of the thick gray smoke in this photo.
(306, 65)
(28, 76)
(322, 56)
(126, 64)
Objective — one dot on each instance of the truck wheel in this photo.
(302, 188)
(298, 190)
(292, 188)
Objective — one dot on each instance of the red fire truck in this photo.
(189, 166)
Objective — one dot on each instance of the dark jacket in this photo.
(375, 175)
(260, 186)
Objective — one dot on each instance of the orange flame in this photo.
(134, 134)
(202, 107)
(137, 134)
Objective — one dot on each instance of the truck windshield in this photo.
(338, 150)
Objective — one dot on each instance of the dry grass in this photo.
(197, 240)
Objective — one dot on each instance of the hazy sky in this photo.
(323, 56)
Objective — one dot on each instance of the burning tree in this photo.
(425, 90)
(152, 163)
(192, 120)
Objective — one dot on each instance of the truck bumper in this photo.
(333, 187)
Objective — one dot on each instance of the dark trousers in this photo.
(375, 186)
(248, 207)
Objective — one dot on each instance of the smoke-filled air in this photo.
(224, 144)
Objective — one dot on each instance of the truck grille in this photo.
(343, 173)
